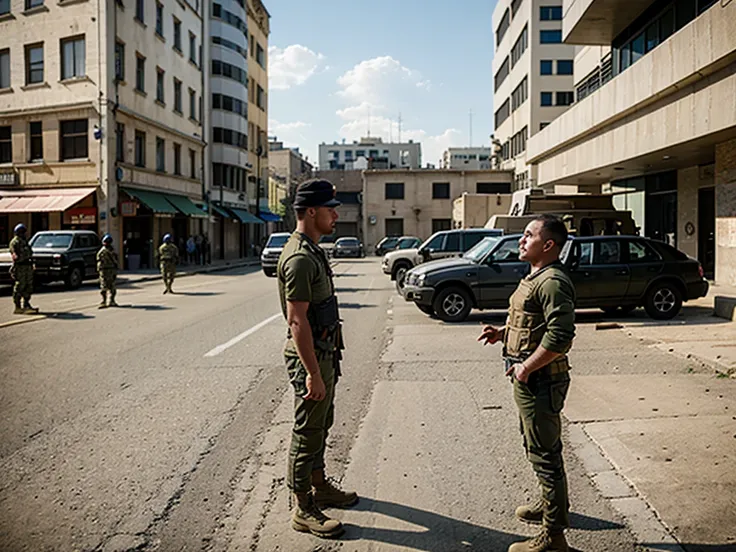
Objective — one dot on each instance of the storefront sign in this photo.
(80, 215)
(128, 208)
(8, 178)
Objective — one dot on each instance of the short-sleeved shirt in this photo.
(168, 253)
(304, 275)
(22, 251)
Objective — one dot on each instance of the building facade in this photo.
(532, 78)
(660, 131)
(102, 100)
(473, 210)
(287, 169)
(370, 151)
(420, 202)
(349, 191)
(472, 159)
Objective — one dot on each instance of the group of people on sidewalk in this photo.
(536, 339)
(108, 265)
(195, 250)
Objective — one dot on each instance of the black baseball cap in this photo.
(315, 193)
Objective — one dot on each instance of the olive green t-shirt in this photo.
(555, 293)
(303, 275)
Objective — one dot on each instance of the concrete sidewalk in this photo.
(130, 277)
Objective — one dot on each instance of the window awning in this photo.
(186, 206)
(41, 200)
(245, 217)
(268, 216)
(215, 209)
(155, 201)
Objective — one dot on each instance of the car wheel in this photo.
(426, 309)
(74, 279)
(399, 276)
(663, 301)
(452, 304)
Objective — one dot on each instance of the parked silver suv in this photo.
(272, 251)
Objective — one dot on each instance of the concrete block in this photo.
(725, 307)
(612, 485)
(644, 524)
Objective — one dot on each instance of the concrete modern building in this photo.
(533, 78)
(655, 120)
(349, 186)
(100, 119)
(420, 202)
(472, 159)
(370, 151)
(473, 210)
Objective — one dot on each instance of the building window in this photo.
(160, 73)
(550, 37)
(119, 61)
(503, 26)
(4, 7)
(542, 126)
(492, 187)
(515, 5)
(501, 75)
(30, 4)
(545, 67)
(72, 58)
(140, 73)
(439, 225)
(519, 95)
(394, 190)
(518, 142)
(231, 72)
(564, 66)
(192, 105)
(177, 34)
(546, 99)
(120, 142)
(140, 148)
(440, 190)
(519, 46)
(193, 48)
(550, 13)
(177, 96)
(503, 113)
(6, 145)
(260, 98)
(4, 69)
(34, 64)
(564, 98)
(140, 10)
(159, 19)
(260, 56)
(394, 227)
(160, 154)
(177, 159)
(36, 131)
(192, 164)
(74, 142)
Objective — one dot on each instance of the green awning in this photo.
(186, 206)
(245, 217)
(215, 210)
(155, 201)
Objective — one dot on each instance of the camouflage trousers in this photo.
(23, 287)
(312, 422)
(168, 272)
(540, 402)
(107, 280)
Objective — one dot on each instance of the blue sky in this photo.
(335, 65)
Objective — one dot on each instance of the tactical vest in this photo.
(526, 326)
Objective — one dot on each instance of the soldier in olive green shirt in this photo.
(537, 336)
(312, 355)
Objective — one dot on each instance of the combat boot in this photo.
(327, 494)
(18, 308)
(28, 309)
(543, 542)
(531, 513)
(306, 517)
(103, 304)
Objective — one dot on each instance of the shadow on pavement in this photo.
(691, 547)
(67, 315)
(356, 306)
(196, 293)
(142, 307)
(351, 290)
(587, 523)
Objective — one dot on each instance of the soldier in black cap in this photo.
(312, 354)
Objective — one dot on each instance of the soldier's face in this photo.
(533, 245)
(325, 219)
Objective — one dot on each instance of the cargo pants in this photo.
(312, 422)
(540, 403)
(23, 286)
(168, 272)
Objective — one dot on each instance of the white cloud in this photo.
(291, 66)
(275, 126)
(374, 79)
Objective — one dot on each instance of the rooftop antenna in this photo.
(399, 127)
(471, 128)
(369, 122)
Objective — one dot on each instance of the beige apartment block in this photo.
(287, 169)
(660, 131)
(420, 202)
(259, 30)
(533, 78)
(349, 191)
(473, 210)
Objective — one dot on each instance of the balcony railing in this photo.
(597, 78)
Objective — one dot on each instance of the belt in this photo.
(557, 366)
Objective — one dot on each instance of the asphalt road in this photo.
(163, 425)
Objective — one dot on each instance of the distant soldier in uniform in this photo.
(168, 257)
(22, 271)
(537, 337)
(312, 354)
(107, 267)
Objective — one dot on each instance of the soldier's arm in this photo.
(299, 273)
(558, 302)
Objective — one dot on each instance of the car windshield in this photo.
(52, 241)
(347, 241)
(407, 243)
(388, 242)
(277, 241)
(481, 249)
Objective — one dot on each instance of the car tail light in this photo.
(700, 270)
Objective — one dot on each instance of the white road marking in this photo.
(238, 338)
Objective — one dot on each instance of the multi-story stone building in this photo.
(287, 169)
(370, 151)
(100, 119)
(654, 121)
(349, 191)
(532, 77)
(472, 159)
(420, 202)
